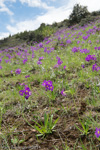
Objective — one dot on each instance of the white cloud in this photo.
(22, 26)
(93, 5)
(57, 14)
(4, 8)
(4, 34)
(36, 3)
(53, 0)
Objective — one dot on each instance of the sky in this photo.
(19, 15)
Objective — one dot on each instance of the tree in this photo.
(79, 12)
(42, 26)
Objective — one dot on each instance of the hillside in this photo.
(44, 31)
(50, 91)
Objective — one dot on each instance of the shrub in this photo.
(87, 20)
(79, 12)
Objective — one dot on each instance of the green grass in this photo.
(17, 127)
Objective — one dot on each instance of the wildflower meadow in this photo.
(50, 92)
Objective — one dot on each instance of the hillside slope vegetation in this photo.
(50, 92)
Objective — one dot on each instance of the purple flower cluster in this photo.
(75, 49)
(59, 38)
(95, 67)
(68, 41)
(40, 58)
(24, 61)
(59, 61)
(18, 71)
(84, 51)
(26, 92)
(48, 42)
(39, 61)
(97, 132)
(0, 60)
(27, 76)
(90, 31)
(90, 57)
(7, 60)
(0, 67)
(48, 85)
(45, 49)
(41, 45)
(97, 48)
(86, 37)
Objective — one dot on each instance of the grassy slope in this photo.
(79, 108)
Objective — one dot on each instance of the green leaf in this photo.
(78, 128)
(21, 141)
(38, 129)
(14, 141)
(46, 117)
(37, 123)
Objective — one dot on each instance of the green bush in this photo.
(79, 12)
(95, 13)
(87, 20)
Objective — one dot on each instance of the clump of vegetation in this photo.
(87, 20)
(55, 78)
(79, 12)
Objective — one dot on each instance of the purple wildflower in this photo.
(56, 66)
(7, 60)
(44, 83)
(95, 47)
(97, 132)
(39, 62)
(75, 49)
(24, 61)
(68, 41)
(32, 55)
(49, 51)
(90, 57)
(78, 42)
(0, 60)
(21, 92)
(59, 62)
(41, 58)
(26, 92)
(86, 37)
(95, 67)
(59, 38)
(64, 67)
(99, 48)
(63, 93)
(45, 49)
(48, 85)
(18, 71)
(58, 58)
(48, 42)
(27, 76)
(41, 45)
(11, 71)
(83, 66)
(84, 51)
